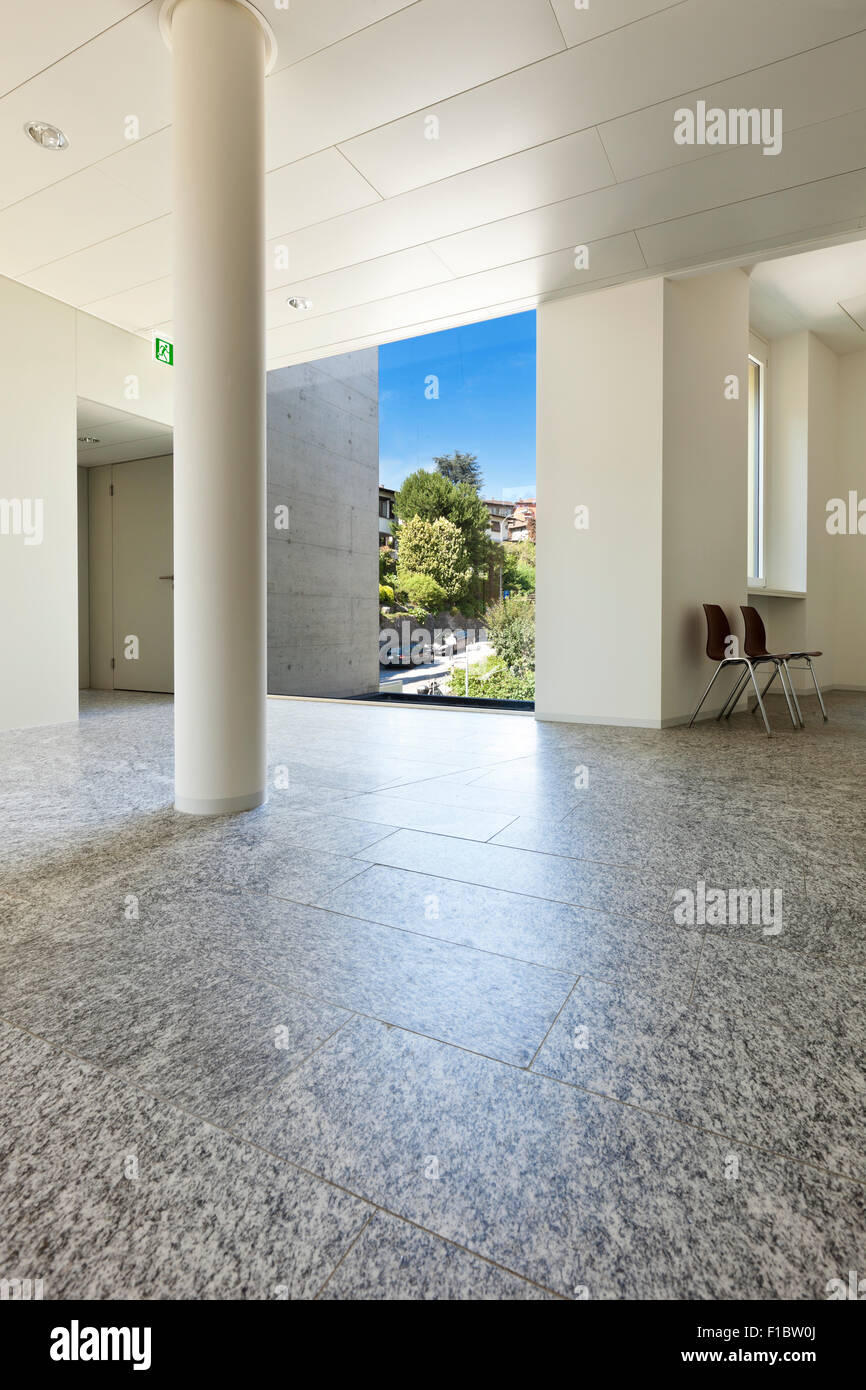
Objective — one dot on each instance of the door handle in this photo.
(166, 576)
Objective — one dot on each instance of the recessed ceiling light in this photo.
(48, 137)
(87, 439)
(298, 301)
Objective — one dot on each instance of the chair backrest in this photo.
(755, 641)
(718, 632)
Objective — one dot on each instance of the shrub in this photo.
(423, 592)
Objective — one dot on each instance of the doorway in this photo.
(126, 624)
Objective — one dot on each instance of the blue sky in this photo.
(485, 406)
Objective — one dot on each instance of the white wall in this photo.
(633, 421)
(705, 478)
(117, 368)
(850, 551)
(786, 463)
(801, 476)
(49, 355)
(38, 583)
(598, 616)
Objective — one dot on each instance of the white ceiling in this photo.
(822, 290)
(556, 129)
(117, 436)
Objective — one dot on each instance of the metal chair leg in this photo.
(760, 701)
(734, 694)
(794, 694)
(817, 689)
(784, 686)
(754, 706)
(706, 693)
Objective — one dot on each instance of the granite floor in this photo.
(474, 1008)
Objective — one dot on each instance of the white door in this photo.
(143, 624)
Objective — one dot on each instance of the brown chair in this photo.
(755, 647)
(718, 637)
(756, 638)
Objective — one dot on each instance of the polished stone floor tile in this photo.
(425, 815)
(584, 1195)
(733, 1075)
(619, 890)
(510, 924)
(442, 969)
(806, 993)
(109, 1193)
(393, 1260)
(206, 1040)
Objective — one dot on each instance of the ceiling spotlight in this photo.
(49, 137)
(87, 439)
(298, 301)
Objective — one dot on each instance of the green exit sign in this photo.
(163, 351)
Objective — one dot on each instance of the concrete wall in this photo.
(323, 575)
(705, 477)
(598, 599)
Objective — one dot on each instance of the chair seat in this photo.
(793, 654)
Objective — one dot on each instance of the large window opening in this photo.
(457, 513)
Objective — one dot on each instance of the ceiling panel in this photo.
(308, 25)
(135, 309)
(535, 177)
(152, 446)
(64, 218)
(527, 280)
(358, 284)
(811, 87)
(675, 50)
(144, 168)
(89, 94)
(823, 291)
(834, 205)
(45, 32)
(93, 413)
(581, 25)
(738, 174)
(386, 230)
(422, 54)
(856, 308)
(108, 267)
(313, 190)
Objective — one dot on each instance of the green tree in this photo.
(518, 566)
(511, 629)
(431, 495)
(435, 549)
(460, 468)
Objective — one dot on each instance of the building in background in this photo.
(521, 522)
(386, 513)
(499, 514)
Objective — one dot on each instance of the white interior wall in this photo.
(849, 551)
(598, 603)
(786, 463)
(38, 582)
(705, 482)
(50, 354)
(801, 475)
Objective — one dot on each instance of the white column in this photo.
(220, 51)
